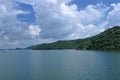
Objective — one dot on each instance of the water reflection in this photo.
(59, 65)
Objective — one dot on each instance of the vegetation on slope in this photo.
(71, 44)
(109, 39)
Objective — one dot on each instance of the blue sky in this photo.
(84, 3)
(29, 17)
(30, 22)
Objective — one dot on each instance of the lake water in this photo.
(59, 65)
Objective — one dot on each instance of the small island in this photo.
(107, 40)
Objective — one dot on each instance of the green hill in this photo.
(107, 40)
(70, 44)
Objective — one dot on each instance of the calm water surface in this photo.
(59, 65)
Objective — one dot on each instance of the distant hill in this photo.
(63, 44)
(107, 40)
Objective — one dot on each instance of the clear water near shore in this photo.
(59, 65)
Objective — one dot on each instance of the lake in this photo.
(59, 65)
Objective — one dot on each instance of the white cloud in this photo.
(52, 1)
(1, 33)
(61, 19)
(114, 15)
(33, 31)
(3, 9)
(90, 14)
(9, 29)
(68, 10)
(5, 12)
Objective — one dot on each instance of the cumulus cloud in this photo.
(61, 19)
(33, 31)
(53, 20)
(114, 15)
(11, 29)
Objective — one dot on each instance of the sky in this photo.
(30, 22)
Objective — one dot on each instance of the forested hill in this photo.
(69, 44)
(107, 40)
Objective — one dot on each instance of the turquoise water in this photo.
(59, 65)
